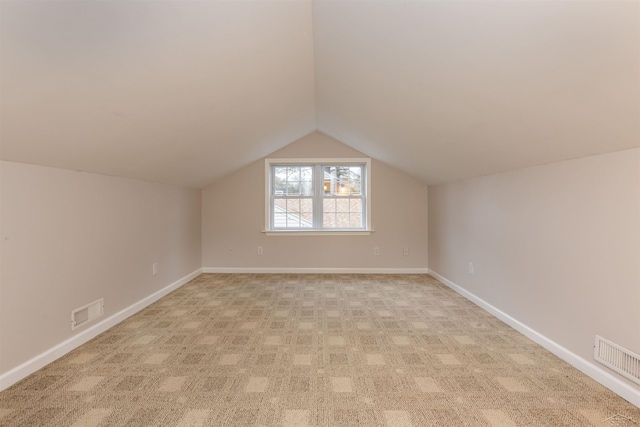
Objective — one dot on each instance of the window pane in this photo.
(342, 180)
(293, 213)
(294, 188)
(306, 212)
(306, 173)
(280, 204)
(329, 220)
(331, 180)
(329, 205)
(355, 220)
(306, 205)
(293, 220)
(280, 173)
(279, 180)
(293, 205)
(341, 212)
(279, 220)
(342, 220)
(306, 188)
(355, 187)
(293, 180)
(306, 219)
(306, 181)
(293, 173)
(355, 181)
(342, 205)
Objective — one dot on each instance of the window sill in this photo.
(317, 232)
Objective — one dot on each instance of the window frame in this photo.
(318, 163)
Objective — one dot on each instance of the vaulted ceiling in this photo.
(184, 92)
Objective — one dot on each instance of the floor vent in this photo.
(84, 314)
(617, 358)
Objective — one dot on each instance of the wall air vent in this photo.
(617, 358)
(86, 313)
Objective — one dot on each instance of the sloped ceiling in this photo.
(179, 92)
(184, 92)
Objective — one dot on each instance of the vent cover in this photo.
(617, 358)
(86, 313)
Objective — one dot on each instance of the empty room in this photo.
(394, 213)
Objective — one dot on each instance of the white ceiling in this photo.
(184, 92)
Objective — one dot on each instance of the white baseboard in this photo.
(285, 270)
(20, 372)
(591, 369)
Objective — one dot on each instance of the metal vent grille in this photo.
(86, 313)
(617, 358)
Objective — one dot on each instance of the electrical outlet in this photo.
(472, 268)
(405, 252)
(154, 268)
(376, 250)
(230, 250)
(260, 251)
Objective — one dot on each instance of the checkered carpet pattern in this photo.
(312, 350)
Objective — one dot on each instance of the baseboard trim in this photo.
(29, 367)
(588, 368)
(315, 270)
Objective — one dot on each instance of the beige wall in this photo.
(556, 247)
(69, 238)
(233, 210)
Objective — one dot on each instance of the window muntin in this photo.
(330, 195)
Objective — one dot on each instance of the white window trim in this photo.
(314, 161)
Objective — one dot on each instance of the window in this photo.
(319, 195)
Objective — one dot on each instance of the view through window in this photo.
(318, 196)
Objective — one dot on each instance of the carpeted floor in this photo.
(312, 350)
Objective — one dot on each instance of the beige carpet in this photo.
(312, 350)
